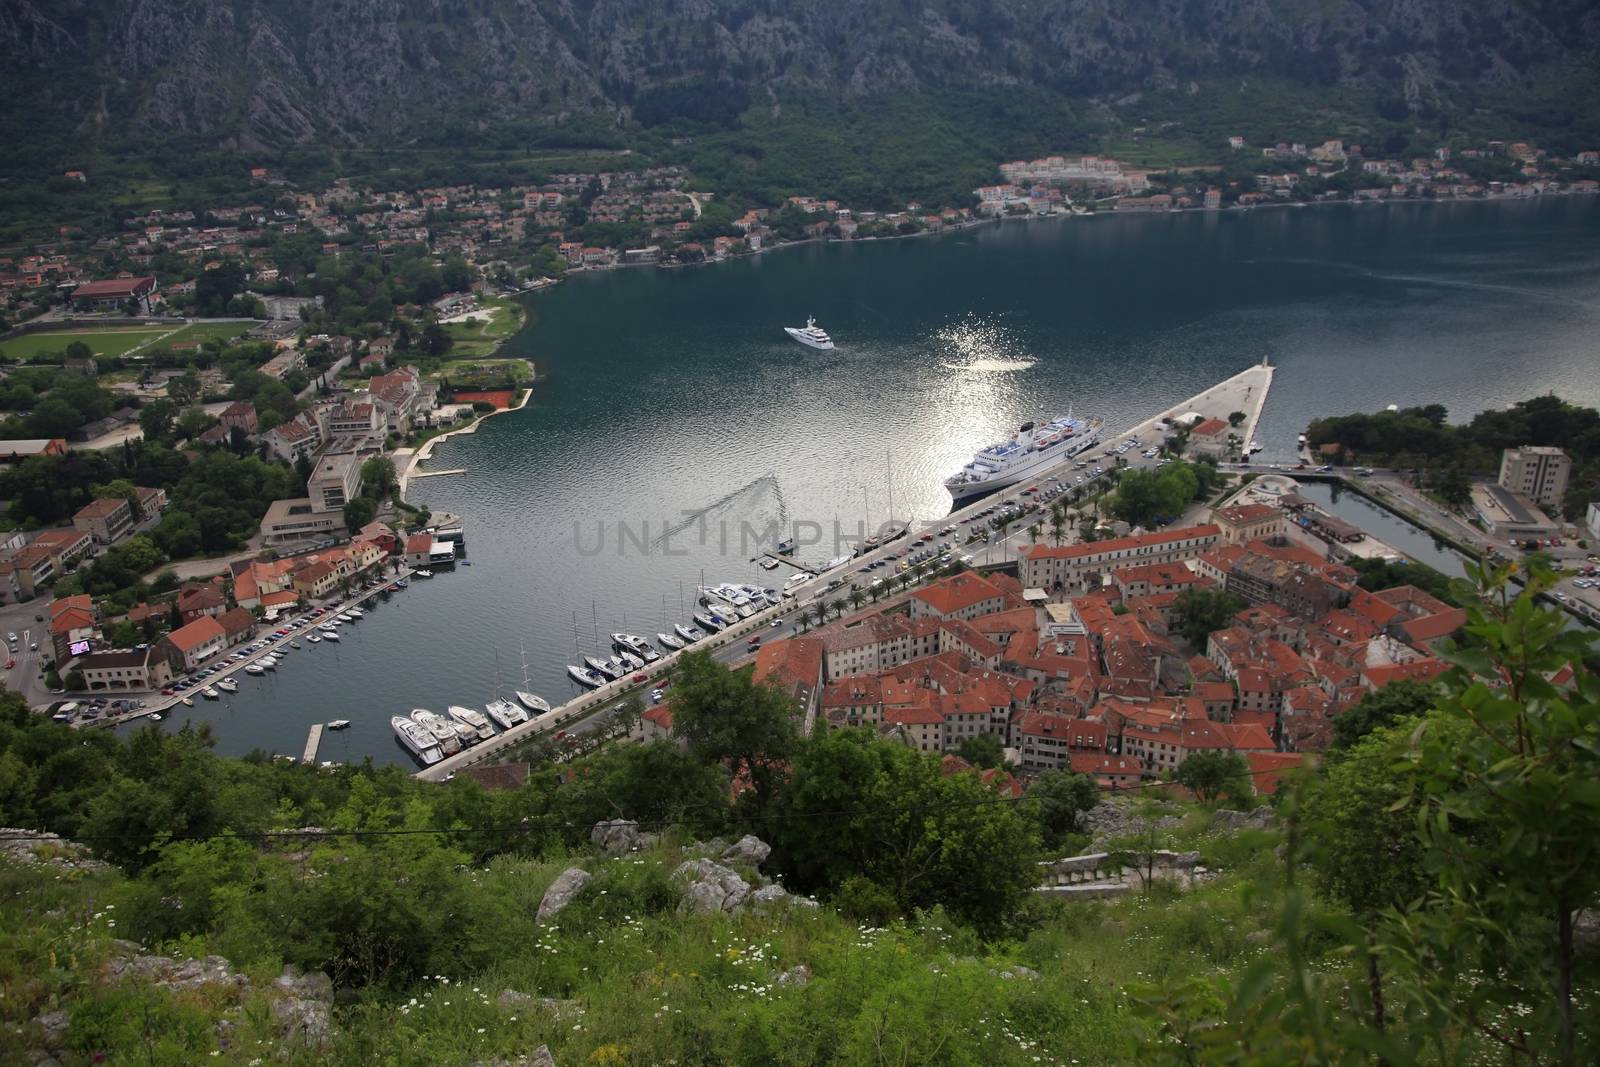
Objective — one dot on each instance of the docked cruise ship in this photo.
(811, 335)
(1032, 450)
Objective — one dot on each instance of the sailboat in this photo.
(534, 703)
(500, 709)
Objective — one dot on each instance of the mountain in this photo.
(273, 72)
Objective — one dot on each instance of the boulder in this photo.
(795, 976)
(314, 986)
(769, 896)
(613, 837)
(301, 1020)
(1227, 820)
(712, 887)
(566, 886)
(748, 849)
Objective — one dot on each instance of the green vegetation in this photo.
(1375, 574)
(1157, 497)
(102, 341)
(1198, 612)
(1419, 438)
(1432, 854)
(480, 337)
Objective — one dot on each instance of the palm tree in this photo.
(857, 598)
(1034, 531)
(839, 607)
(1057, 522)
(819, 611)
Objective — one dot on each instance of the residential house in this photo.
(189, 645)
(194, 601)
(133, 670)
(1068, 568)
(240, 415)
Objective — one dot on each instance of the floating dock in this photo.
(313, 740)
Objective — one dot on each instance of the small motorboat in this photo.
(315, 639)
(228, 685)
(690, 634)
(294, 644)
(424, 573)
(339, 724)
(210, 693)
(188, 701)
(254, 668)
(330, 635)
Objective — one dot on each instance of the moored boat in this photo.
(418, 739)
(690, 634)
(339, 724)
(586, 676)
(442, 731)
(472, 719)
(670, 642)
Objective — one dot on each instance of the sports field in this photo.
(115, 340)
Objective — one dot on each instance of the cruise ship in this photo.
(1032, 450)
(811, 335)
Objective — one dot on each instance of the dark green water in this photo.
(675, 402)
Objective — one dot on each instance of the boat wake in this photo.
(758, 503)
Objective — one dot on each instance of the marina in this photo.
(953, 342)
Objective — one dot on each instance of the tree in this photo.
(1382, 708)
(1510, 813)
(156, 419)
(1361, 842)
(1236, 418)
(1208, 773)
(378, 476)
(1060, 800)
(982, 750)
(1145, 497)
(358, 512)
(302, 468)
(436, 340)
(725, 718)
(184, 389)
(1196, 613)
(194, 422)
(897, 822)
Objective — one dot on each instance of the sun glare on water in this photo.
(981, 345)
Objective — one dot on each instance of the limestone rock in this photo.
(1227, 820)
(795, 976)
(301, 1020)
(566, 886)
(613, 837)
(314, 986)
(748, 849)
(712, 887)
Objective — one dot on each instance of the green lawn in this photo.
(480, 338)
(117, 340)
(203, 331)
(105, 341)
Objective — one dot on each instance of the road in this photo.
(1245, 391)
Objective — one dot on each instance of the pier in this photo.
(313, 740)
(438, 474)
(1245, 391)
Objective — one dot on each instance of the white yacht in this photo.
(339, 724)
(811, 335)
(611, 668)
(356, 613)
(670, 642)
(629, 660)
(636, 645)
(442, 731)
(502, 717)
(254, 668)
(586, 676)
(228, 685)
(472, 719)
(1032, 450)
(331, 635)
(418, 739)
(708, 623)
(691, 634)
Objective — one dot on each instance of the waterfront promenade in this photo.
(1245, 391)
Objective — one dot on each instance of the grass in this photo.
(103, 341)
(632, 981)
(482, 337)
(117, 340)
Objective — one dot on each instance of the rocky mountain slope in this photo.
(282, 71)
